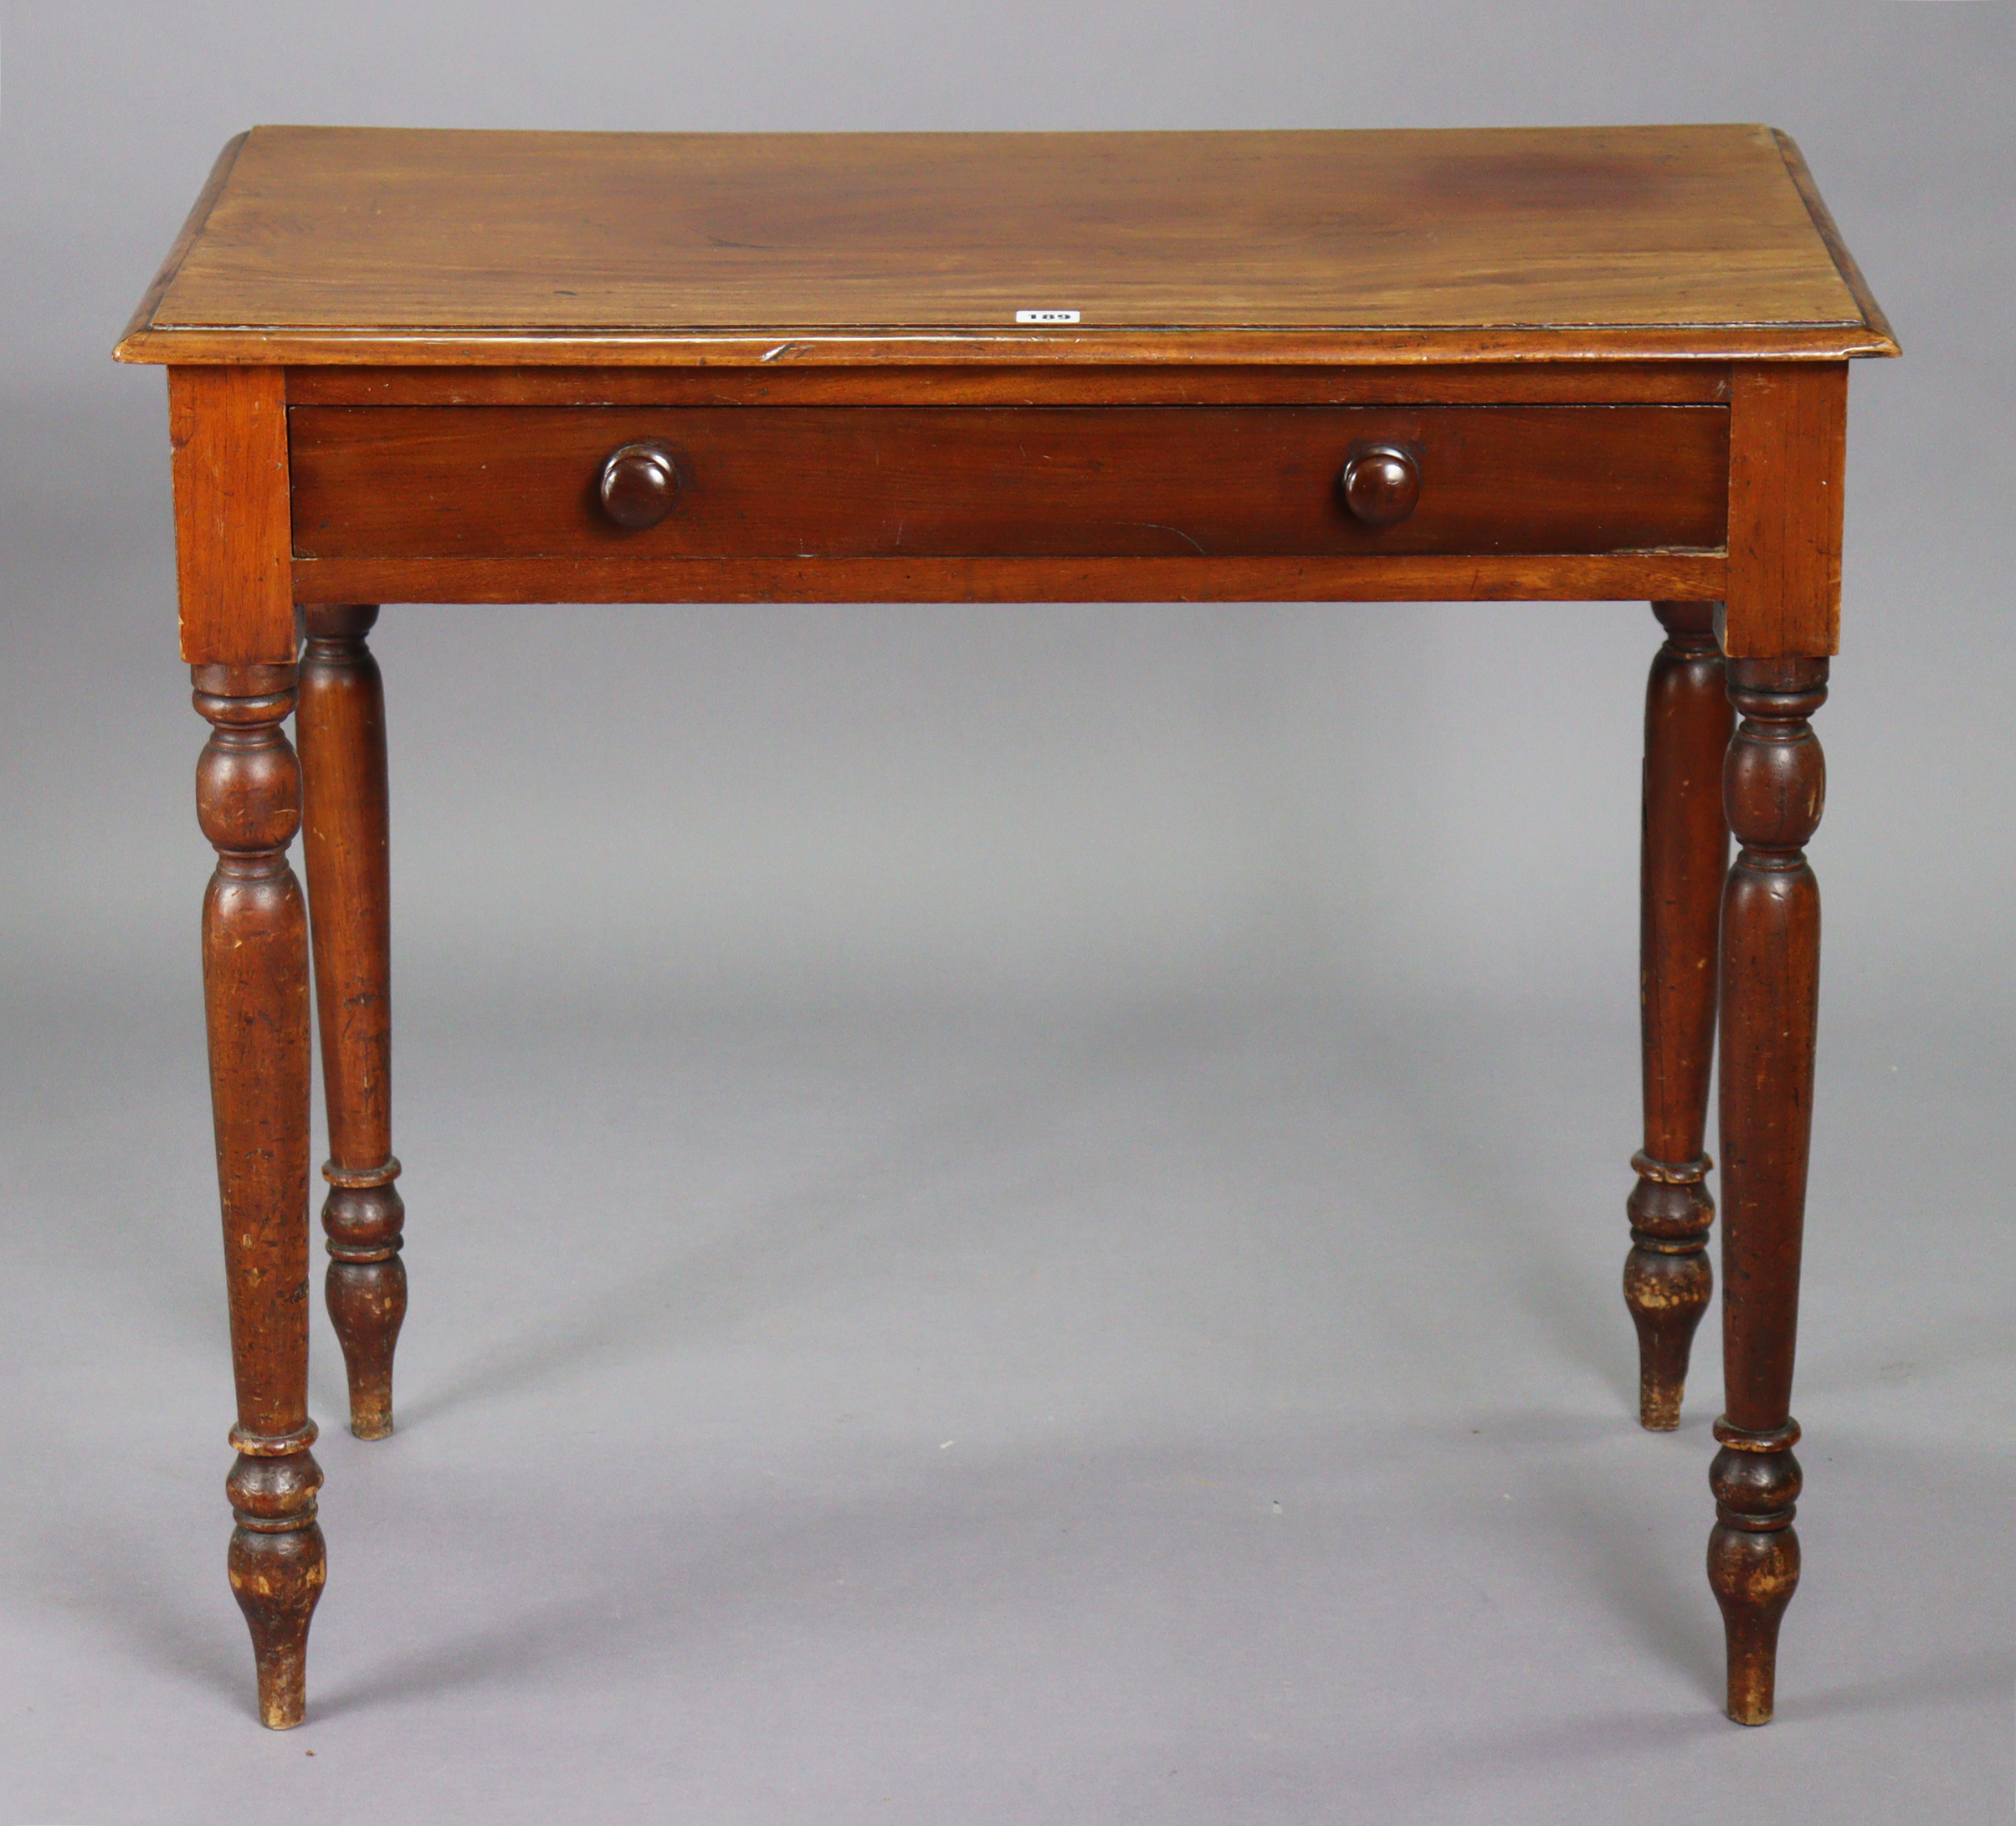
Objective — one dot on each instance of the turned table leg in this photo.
(1774, 784)
(341, 727)
(255, 992)
(1683, 857)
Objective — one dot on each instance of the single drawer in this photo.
(876, 481)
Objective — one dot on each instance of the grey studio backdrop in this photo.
(1015, 1213)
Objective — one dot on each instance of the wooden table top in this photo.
(391, 245)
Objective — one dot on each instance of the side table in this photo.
(1530, 365)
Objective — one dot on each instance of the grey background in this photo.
(1015, 1212)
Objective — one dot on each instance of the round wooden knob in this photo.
(1381, 485)
(639, 484)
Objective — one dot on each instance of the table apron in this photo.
(909, 482)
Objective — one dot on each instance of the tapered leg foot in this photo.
(366, 1287)
(277, 1565)
(1684, 855)
(1667, 1280)
(1753, 1559)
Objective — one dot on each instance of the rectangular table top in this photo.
(391, 245)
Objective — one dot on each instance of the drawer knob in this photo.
(639, 484)
(1381, 485)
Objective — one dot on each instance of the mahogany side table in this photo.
(1603, 363)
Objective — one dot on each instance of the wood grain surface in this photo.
(380, 244)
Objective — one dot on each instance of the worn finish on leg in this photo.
(1774, 784)
(255, 991)
(341, 725)
(1683, 857)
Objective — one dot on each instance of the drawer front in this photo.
(874, 481)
